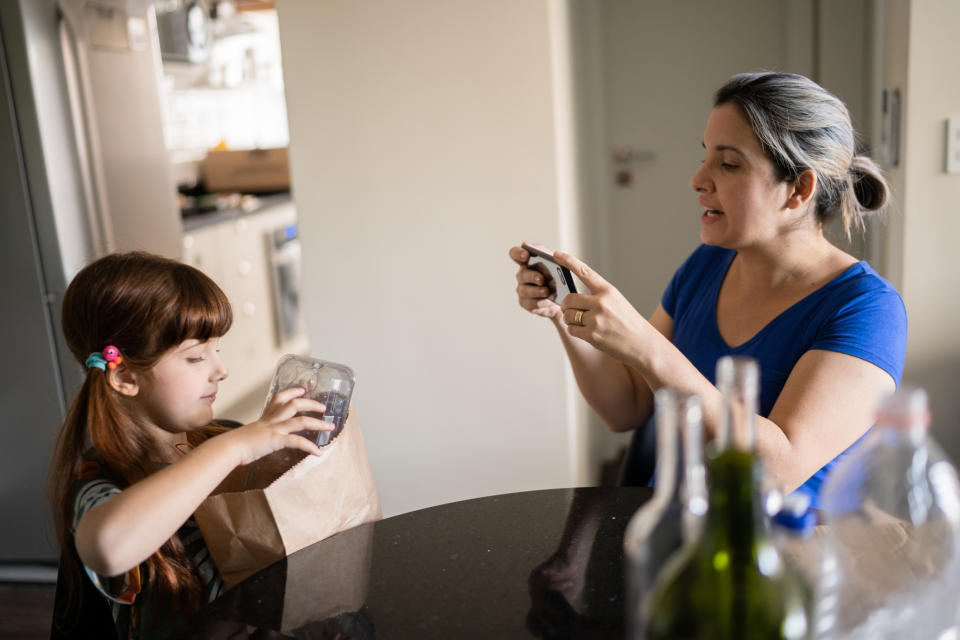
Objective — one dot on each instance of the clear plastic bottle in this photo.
(731, 583)
(891, 564)
(674, 513)
(794, 526)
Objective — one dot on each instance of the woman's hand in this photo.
(531, 292)
(604, 318)
(276, 429)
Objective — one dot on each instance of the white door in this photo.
(661, 64)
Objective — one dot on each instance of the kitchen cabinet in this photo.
(235, 252)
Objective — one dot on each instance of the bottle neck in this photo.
(665, 481)
(680, 475)
(693, 491)
(736, 517)
(904, 416)
(738, 379)
(911, 433)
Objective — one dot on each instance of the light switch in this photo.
(953, 145)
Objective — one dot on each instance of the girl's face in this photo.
(744, 201)
(177, 393)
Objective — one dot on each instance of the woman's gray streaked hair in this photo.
(803, 126)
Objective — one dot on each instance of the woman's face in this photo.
(744, 202)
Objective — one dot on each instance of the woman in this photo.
(829, 333)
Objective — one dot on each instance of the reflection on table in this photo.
(543, 564)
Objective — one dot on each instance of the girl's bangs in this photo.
(205, 309)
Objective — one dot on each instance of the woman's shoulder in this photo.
(861, 314)
(860, 282)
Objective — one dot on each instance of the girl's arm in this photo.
(825, 405)
(118, 535)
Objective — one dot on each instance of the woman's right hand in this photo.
(276, 428)
(531, 292)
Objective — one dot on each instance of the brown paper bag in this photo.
(289, 503)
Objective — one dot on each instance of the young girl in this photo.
(137, 455)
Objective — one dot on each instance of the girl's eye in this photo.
(194, 360)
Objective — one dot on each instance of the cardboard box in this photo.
(248, 171)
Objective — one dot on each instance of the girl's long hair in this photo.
(144, 305)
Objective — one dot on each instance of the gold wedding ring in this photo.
(578, 317)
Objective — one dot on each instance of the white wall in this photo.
(429, 138)
(925, 242)
(422, 148)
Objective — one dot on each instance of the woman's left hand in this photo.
(604, 318)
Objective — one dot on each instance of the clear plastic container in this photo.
(794, 528)
(326, 382)
(891, 565)
(674, 513)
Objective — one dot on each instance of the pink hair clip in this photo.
(112, 355)
(109, 358)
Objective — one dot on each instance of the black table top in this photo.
(533, 564)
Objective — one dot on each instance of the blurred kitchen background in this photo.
(137, 125)
(356, 198)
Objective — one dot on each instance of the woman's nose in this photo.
(699, 182)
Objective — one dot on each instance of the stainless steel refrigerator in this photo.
(83, 171)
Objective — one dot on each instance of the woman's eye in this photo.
(727, 165)
(194, 360)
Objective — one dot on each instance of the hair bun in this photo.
(869, 187)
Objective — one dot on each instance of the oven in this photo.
(283, 247)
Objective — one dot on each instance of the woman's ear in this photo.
(123, 381)
(803, 189)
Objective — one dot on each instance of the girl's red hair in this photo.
(144, 305)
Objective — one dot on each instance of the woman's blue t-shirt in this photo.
(857, 313)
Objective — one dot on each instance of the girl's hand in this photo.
(604, 318)
(531, 292)
(275, 429)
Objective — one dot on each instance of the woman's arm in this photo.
(829, 400)
(119, 534)
(826, 404)
(616, 391)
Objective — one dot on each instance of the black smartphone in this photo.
(556, 277)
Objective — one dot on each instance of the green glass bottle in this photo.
(731, 583)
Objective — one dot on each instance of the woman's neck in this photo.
(804, 259)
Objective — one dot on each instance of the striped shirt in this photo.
(130, 602)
